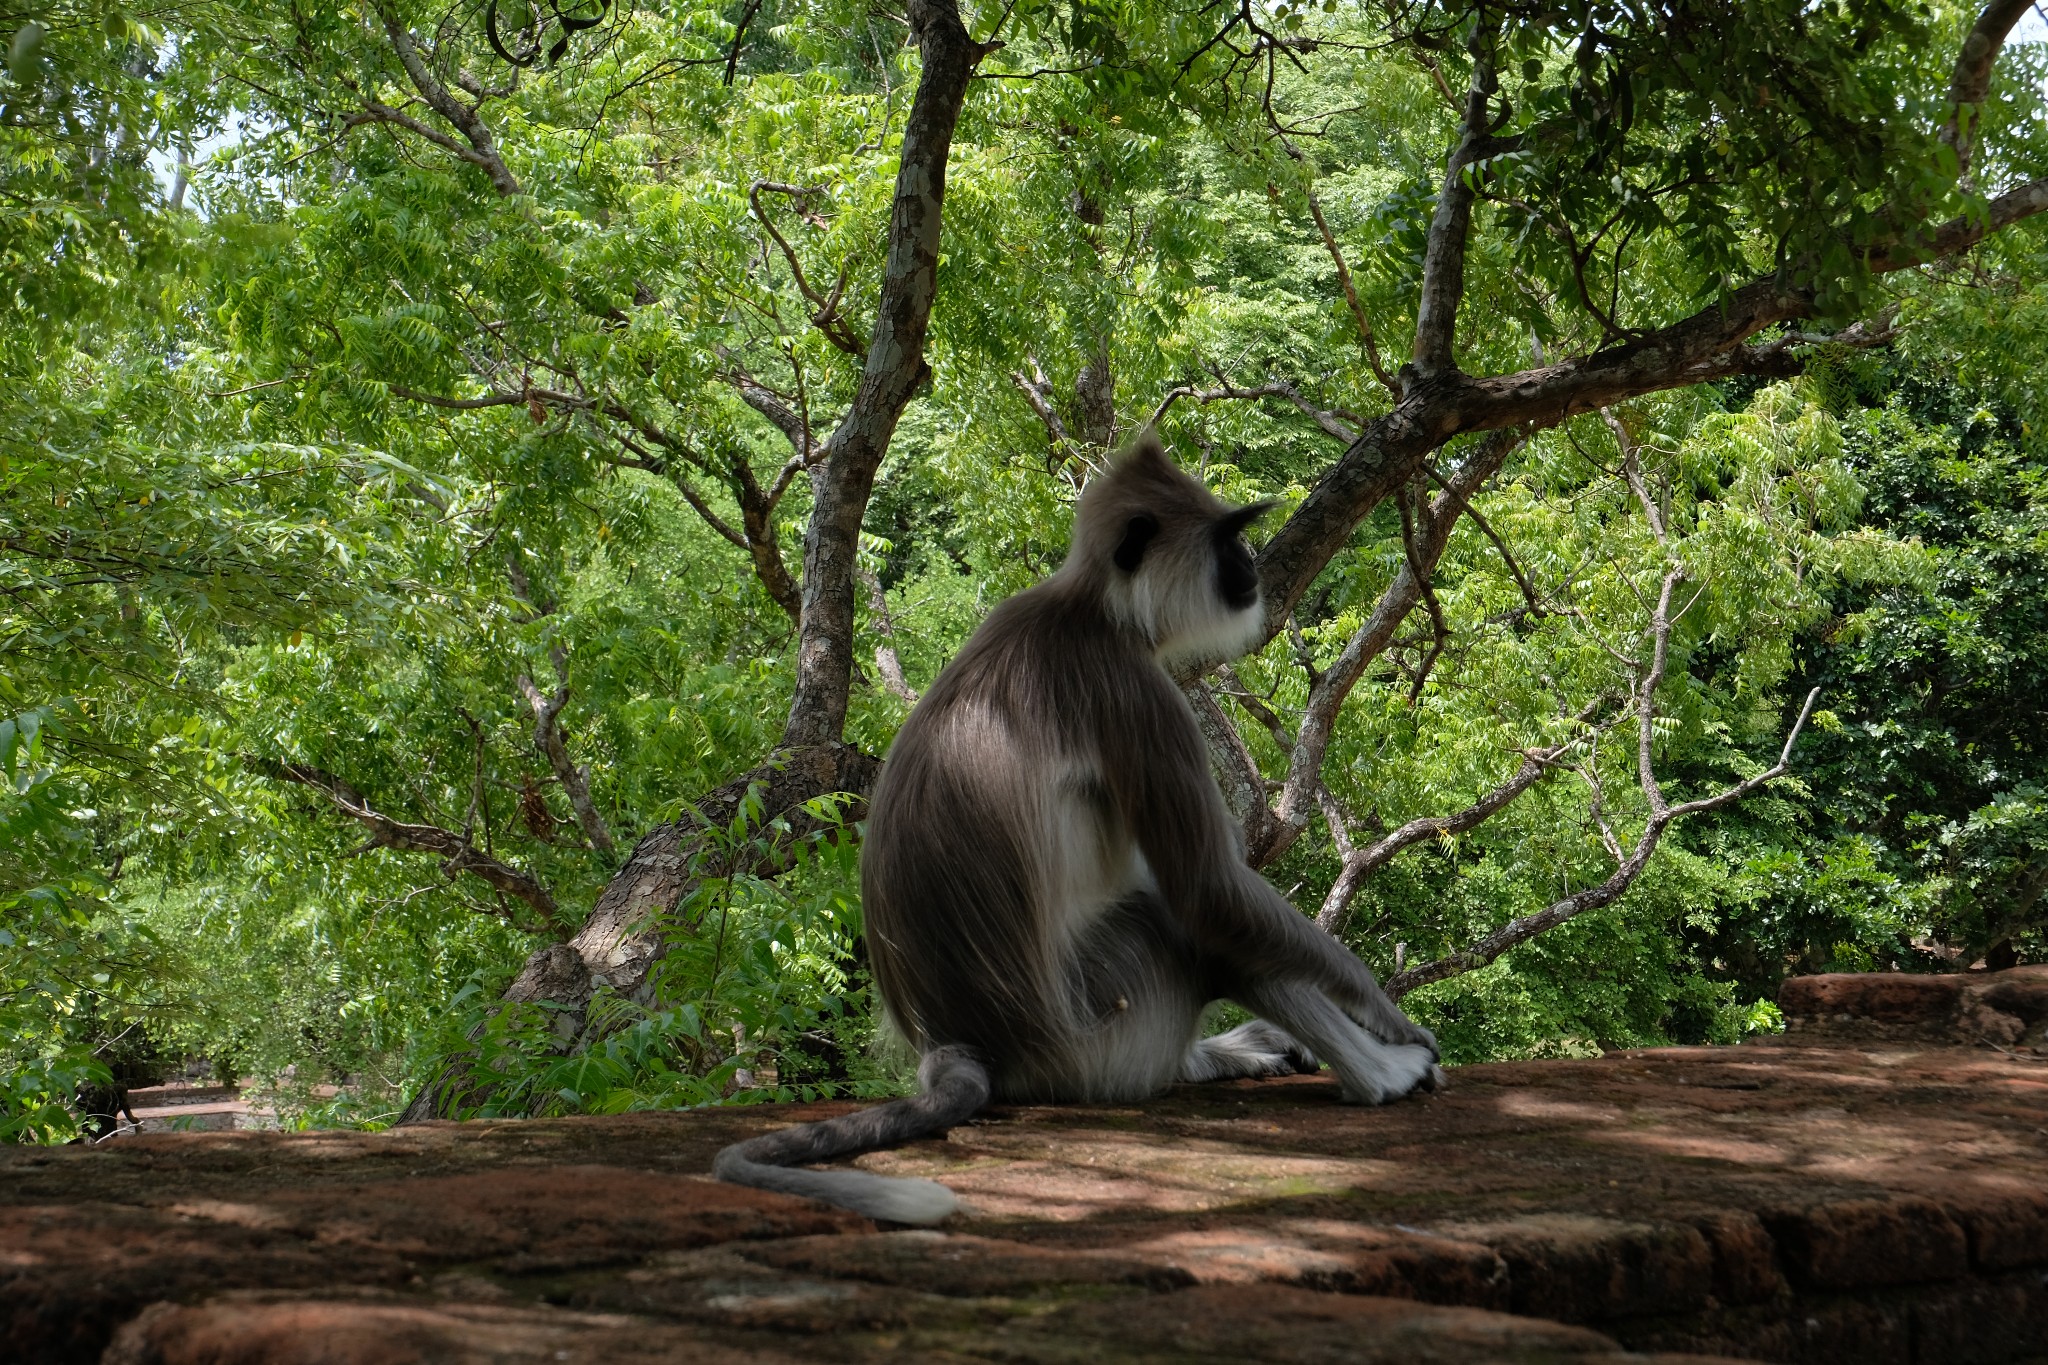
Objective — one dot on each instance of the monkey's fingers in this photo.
(1388, 1024)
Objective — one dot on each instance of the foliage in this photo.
(318, 470)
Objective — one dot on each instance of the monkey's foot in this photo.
(1256, 1048)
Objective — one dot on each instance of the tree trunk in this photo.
(624, 936)
(628, 931)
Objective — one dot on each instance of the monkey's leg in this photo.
(1371, 1071)
(1257, 1048)
(1132, 1003)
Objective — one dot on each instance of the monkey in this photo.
(1054, 889)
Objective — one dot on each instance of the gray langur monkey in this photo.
(1054, 889)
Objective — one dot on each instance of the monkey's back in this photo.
(983, 828)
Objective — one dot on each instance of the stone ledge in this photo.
(2008, 1008)
(1788, 1202)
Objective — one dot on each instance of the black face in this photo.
(1237, 577)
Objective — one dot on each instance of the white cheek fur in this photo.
(1220, 636)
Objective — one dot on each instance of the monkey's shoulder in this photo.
(1049, 663)
(1050, 647)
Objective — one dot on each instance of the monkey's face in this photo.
(1178, 569)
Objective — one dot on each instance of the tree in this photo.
(1616, 183)
(594, 323)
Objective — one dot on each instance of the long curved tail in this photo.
(953, 1085)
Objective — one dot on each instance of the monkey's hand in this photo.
(1384, 1020)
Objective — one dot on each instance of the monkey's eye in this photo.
(1130, 551)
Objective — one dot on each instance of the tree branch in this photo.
(886, 661)
(1331, 424)
(456, 852)
(1336, 908)
(894, 369)
(1708, 345)
(482, 149)
(1522, 930)
(553, 745)
(739, 36)
(1333, 685)
(1443, 259)
(1365, 334)
(1244, 791)
(1961, 233)
(1037, 391)
(825, 315)
(1972, 79)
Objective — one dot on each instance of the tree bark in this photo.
(618, 946)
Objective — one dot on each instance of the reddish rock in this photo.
(1745, 1257)
(721, 1291)
(961, 1266)
(1581, 1268)
(1213, 1325)
(544, 1218)
(330, 1332)
(2007, 1008)
(1813, 1204)
(1232, 1323)
(1334, 1254)
(1880, 997)
(1861, 1243)
(2007, 1228)
(69, 1273)
(2020, 991)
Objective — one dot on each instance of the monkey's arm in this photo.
(1238, 921)
(1295, 946)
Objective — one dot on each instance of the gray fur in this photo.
(1053, 887)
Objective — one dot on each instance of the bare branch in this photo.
(489, 400)
(1331, 424)
(893, 370)
(1529, 926)
(825, 315)
(773, 406)
(886, 661)
(481, 149)
(1037, 391)
(456, 852)
(1359, 866)
(553, 744)
(1333, 685)
(1365, 334)
(1960, 234)
(1646, 691)
(739, 37)
(1443, 259)
(1632, 473)
(1530, 596)
(1244, 791)
(1256, 706)
(1972, 79)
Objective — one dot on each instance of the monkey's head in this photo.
(1170, 557)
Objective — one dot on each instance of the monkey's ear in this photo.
(1138, 533)
(1239, 518)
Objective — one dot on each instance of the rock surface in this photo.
(2008, 1008)
(1865, 1202)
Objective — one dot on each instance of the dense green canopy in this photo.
(444, 445)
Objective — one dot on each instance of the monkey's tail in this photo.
(954, 1085)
